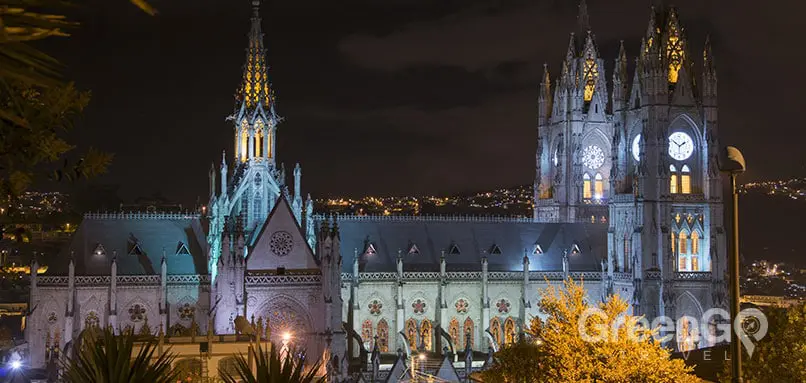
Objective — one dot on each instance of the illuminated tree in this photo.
(612, 347)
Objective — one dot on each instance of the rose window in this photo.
(503, 306)
(461, 306)
(418, 306)
(186, 312)
(137, 313)
(52, 318)
(375, 307)
(281, 243)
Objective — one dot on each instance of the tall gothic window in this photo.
(627, 251)
(453, 330)
(366, 334)
(674, 51)
(425, 334)
(259, 143)
(411, 333)
(598, 186)
(383, 336)
(591, 74)
(683, 243)
(510, 331)
(268, 143)
(695, 242)
(673, 180)
(586, 186)
(244, 145)
(685, 180)
(495, 329)
(468, 330)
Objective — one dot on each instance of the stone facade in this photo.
(627, 199)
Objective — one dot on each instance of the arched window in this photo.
(586, 186)
(469, 332)
(673, 180)
(425, 334)
(259, 143)
(510, 331)
(383, 336)
(695, 263)
(598, 186)
(683, 242)
(411, 333)
(244, 145)
(495, 329)
(453, 330)
(685, 180)
(366, 334)
(695, 242)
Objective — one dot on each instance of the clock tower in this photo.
(642, 159)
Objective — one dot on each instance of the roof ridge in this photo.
(141, 215)
(426, 218)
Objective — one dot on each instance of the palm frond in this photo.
(271, 366)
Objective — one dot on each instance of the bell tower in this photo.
(253, 182)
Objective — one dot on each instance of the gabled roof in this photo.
(473, 237)
(138, 241)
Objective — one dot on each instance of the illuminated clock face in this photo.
(592, 157)
(636, 147)
(680, 146)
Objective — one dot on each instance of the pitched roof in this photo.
(475, 237)
(151, 233)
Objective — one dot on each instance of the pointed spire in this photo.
(590, 46)
(708, 56)
(255, 87)
(571, 53)
(582, 17)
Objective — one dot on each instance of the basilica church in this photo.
(627, 198)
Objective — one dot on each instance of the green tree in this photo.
(574, 345)
(781, 355)
(104, 357)
(272, 367)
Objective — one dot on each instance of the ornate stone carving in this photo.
(375, 307)
(503, 305)
(419, 306)
(137, 313)
(461, 306)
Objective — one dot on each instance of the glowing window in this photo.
(425, 334)
(598, 186)
(495, 329)
(586, 186)
(383, 336)
(268, 144)
(685, 180)
(683, 243)
(366, 334)
(682, 264)
(453, 330)
(244, 145)
(468, 335)
(695, 243)
(259, 143)
(510, 331)
(674, 52)
(673, 180)
(695, 264)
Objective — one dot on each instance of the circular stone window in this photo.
(281, 243)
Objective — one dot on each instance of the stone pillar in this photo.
(485, 301)
(443, 304)
(113, 295)
(163, 291)
(400, 319)
(71, 291)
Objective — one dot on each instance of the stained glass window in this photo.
(383, 336)
(366, 334)
(469, 329)
(453, 330)
(510, 330)
(425, 334)
(591, 74)
(495, 329)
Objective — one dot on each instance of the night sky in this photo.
(396, 97)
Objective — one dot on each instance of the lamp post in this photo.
(731, 161)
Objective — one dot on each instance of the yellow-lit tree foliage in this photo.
(559, 352)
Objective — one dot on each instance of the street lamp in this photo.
(731, 161)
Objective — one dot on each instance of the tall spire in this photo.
(255, 87)
(583, 19)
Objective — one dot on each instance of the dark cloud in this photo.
(396, 96)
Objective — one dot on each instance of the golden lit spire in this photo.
(674, 52)
(255, 87)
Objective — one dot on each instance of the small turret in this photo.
(224, 172)
(620, 81)
(212, 180)
(544, 98)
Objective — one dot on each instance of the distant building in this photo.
(627, 199)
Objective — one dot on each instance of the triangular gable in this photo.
(494, 249)
(182, 249)
(454, 249)
(683, 93)
(134, 249)
(413, 249)
(399, 372)
(99, 250)
(369, 249)
(537, 250)
(447, 372)
(281, 243)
